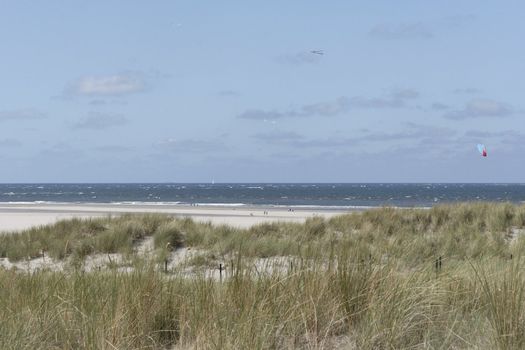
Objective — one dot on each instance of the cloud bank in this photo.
(480, 108)
(340, 105)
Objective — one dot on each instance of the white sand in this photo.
(21, 216)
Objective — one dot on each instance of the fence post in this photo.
(438, 264)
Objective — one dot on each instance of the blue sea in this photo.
(276, 194)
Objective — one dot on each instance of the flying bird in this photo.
(317, 52)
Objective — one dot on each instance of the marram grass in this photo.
(450, 277)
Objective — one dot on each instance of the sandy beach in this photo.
(16, 216)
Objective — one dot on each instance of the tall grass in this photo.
(80, 237)
(359, 281)
(504, 294)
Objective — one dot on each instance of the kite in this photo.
(482, 150)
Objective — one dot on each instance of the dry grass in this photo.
(363, 281)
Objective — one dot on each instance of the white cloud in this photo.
(117, 84)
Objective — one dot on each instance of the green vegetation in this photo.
(81, 237)
(448, 277)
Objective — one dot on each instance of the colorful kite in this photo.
(482, 150)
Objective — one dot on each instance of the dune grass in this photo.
(358, 281)
(81, 237)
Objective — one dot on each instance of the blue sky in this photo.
(190, 91)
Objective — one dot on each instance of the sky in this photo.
(229, 91)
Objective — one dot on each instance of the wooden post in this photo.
(166, 265)
(438, 264)
(220, 271)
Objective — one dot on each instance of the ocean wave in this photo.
(221, 204)
(142, 203)
(35, 202)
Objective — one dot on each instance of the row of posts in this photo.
(438, 264)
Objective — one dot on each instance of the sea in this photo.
(330, 195)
